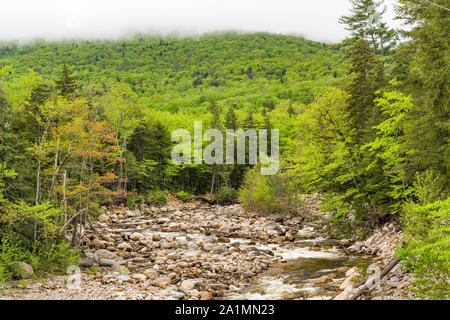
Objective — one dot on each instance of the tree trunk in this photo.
(213, 179)
(369, 283)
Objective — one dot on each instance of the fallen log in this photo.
(207, 199)
(370, 283)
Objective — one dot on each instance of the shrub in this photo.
(156, 197)
(133, 200)
(226, 195)
(427, 248)
(183, 196)
(41, 257)
(426, 226)
(263, 193)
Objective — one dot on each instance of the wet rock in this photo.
(103, 262)
(321, 280)
(272, 226)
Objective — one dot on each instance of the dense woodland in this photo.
(364, 123)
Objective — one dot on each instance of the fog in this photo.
(24, 20)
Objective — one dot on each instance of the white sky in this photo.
(109, 19)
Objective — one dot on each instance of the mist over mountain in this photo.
(25, 20)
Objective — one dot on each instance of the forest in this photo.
(364, 123)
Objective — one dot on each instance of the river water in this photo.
(304, 260)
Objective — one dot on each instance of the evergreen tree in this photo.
(366, 76)
(426, 78)
(249, 122)
(290, 110)
(230, 119)
(365, 21)
(66, 85)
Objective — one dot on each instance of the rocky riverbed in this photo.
(198, 251)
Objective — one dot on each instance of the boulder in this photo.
(124, 246)
(105, 254)
(139, 277)
(219, 249)
(23, 270)
(189, 284)
(163, 282)
(96, 243)
(103, 218)
(107, 263)
(151, 273)
(87, 263)
(164, 244)
(136, 236)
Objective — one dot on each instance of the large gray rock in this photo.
(273, 226)
(107, 263)
(105, 254)
(87, 263)
(23, 270)
(219, 249)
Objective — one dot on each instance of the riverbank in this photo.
(198, 251)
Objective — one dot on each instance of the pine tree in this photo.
(249, 122)
(66, 85)
(365, 21)
(230, 119)
(366, 77)
(268, 126)
(215, 122)
(290, 110)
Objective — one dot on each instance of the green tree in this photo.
(365, 73)
(365, 22)
(66, 85)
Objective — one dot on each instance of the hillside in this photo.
(246, 70)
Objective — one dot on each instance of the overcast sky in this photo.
(109, 19)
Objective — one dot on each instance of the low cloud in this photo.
(111, 19)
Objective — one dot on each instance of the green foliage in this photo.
(176, 74)
(365, 21)
(156, 197)
(427, 249)
(134, 199)
(226, 195)
(183, 196)
(266, 194)
(41, 258)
